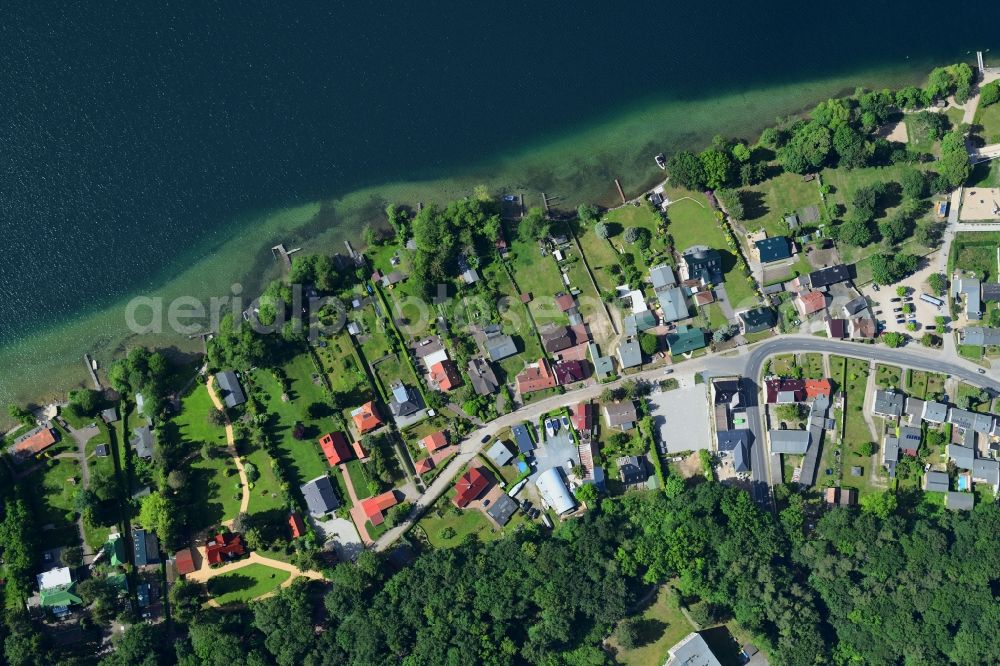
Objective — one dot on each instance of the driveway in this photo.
(924, 312)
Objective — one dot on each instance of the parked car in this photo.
(875, 287)
(895, 300)
(897, 309)
(565, 421)
(485, 439)
(668, 371)
(982, 371)
(878, 312)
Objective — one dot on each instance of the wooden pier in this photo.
(284, 255)
(621, 192)
(93, 373)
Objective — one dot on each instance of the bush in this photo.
(627, 634)
(989, 94)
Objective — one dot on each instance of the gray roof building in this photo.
(914, 409)
(935, 412)
(909, 438)
(758, 319)
(962, 455)
(620, 414)
(936, 482)
(499, 453)
(963, 418)
(404, 400)
(986, 470)
(662, 277)
(980, 336)
(703, 263)
(991, 291)
(522, 438)
(110, 415)
(632, 470)
(789, 441)
(692, 650)
(673, 303)
(970, 287)
(737, 441)
(855, 306)
(629, 353)
(641, 321)
(959, 501)
(143, 442)
(145, 548)
(319, 496)
(603, 365)
(888, 403)
(890, 450)
(501, 509)
(229, 388)
(498, 344)
(484, 380)
(824, 277)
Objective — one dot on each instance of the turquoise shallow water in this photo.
(163, 150)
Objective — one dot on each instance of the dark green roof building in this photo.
(686, 339)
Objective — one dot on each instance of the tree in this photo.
(254, 538)
(954, 163)
(741, 153)
(649, 343)
(72, 556)
(86, 401)
(911, 97)
(588, 213)
(887, 269)
(156, 514)
(808, 149)
(791, 412)
(627, 634)
(881, 504)
(892, 339)
(914, 184)
(687, 170)
(602, 231)
(989, 94)
(867, 449)
(533, 226)
(717, 167)
(938, 282)
(587, 493)
(833, 113)
(20, 414)
(632, 234)
(852, 150)
(855, 232)
(397, 514)
(140, 645)
(732, 201)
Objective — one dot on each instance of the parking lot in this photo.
(924, 313)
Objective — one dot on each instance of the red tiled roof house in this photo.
(335, 448)
(375, 507)
(224, 548)
(470, 486)
(366, 417)
(296, 525)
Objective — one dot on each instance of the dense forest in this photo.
(916, 586)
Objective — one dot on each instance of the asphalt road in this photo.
(747, 362)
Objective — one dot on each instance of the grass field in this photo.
(214, 480)
(916, 383)
(989, 118)
(887, 376)
(767, 204)
(975, 251)
(856, 431)
(344, 371)
(246, 584)
(661, 625)
(54, 484)
(464, 522)
(812, 366)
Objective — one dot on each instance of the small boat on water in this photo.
(661, 161)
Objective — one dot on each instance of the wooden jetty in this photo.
(284, 255)
(92, 370)
(621, 192)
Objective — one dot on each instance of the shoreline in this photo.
(579, 165)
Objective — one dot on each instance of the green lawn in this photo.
(213, 480)
(783, 364)
(812, 366)
(692, 222)
(856, 431)
(975, 251)
(344, 370)
(539, 276)
(463, 521)
(51, 501)
(661, 625)
(600, 255)
(302, 458)
(767, 204)
(245, 584)
(887, 376)
(359, 478)
(989, 118)
(916, 383)
(265, 493)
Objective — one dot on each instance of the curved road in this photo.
(746, 361)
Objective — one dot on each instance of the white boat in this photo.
(661, 161)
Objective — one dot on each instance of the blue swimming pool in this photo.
(963, 482)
